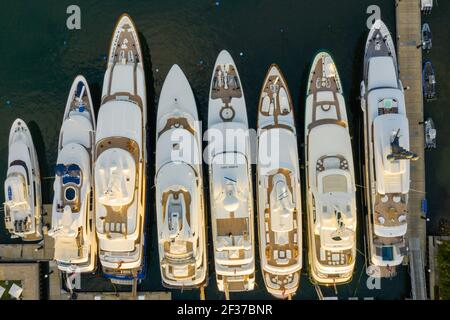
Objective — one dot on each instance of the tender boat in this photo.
(23, 203)
(330, 176)
(180, 207)
(387, 159)
(430, 134)
(426, 6)
(279, 192)
(426, 37)
(121, 158)
(231, 196)
(72, 216)
(429, 81)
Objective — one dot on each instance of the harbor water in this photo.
(437, 168)
(41, 57)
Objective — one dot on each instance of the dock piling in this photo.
(202, 293)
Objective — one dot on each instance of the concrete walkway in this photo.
(26, 273)
(43, 251)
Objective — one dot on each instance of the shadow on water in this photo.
(356, 124)
(151, 250)
(96, 95)
(211, 272)
(45, 169)
(299, 119)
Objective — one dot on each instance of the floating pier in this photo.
(408, 23)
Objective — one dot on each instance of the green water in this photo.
(40, 58)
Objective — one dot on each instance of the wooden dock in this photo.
(408, 25)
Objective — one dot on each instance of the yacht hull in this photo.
(382, 101)
(327, 140)
(281, 261)
(72, 218)
(179, 185)
(121, 136)
(23, 166)
(229, 159)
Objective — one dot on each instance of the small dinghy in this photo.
(426, 6)
(430, 134)
(426, 37)
(429, 81)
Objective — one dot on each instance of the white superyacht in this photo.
(330, 176)
(121, 157)
(180, 207)
(229, 159)
(387, 159)
(23, 203)
(72, 216)
(279, 192)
